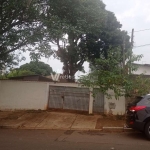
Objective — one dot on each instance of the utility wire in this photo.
(142, 46)
(140, 30)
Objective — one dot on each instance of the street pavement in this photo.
(13, 139)
(56, 120)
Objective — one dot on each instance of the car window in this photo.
(145, 101)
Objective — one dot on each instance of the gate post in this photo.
(47, 95)
(91, 101)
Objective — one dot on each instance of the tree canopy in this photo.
(32, 68)
(17, 73)
(35, 67)
(20, 29)
(82, 30)
(85, 31)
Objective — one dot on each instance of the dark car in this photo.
(138, 114)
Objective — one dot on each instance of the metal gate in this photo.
(69, 98)
(98, 105)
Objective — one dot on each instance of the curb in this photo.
(117, 129)
(8, 127)
(21, 127)
(104, 129)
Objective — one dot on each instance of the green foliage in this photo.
(20, 29)
(83, 31)
(109, 74)
(140, 85)
(16, 73)
(89, 30)
(32, 68)
(74, 19)
(38, 68)
(97, 46)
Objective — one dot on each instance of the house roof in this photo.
(142, 64)
(31, 78)
(136, 75)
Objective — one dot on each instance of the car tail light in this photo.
(136, 108)
(131, 122)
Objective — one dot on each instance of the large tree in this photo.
(85, 31)
(75, 18)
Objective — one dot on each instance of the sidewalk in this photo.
(57, 120)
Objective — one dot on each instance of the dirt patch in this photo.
(109, 122)
(69, 111)
(35, 111)
(14, 115)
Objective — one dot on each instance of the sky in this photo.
(134, 14)
(131, 14)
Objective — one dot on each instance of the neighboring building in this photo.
(52, 78)
(31, 78)
(142, 69)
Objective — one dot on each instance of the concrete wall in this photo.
(113, 106)
(34, 95)
(23, 95)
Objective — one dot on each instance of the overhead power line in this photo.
(132, 36)
(142, 45)
(141, 30)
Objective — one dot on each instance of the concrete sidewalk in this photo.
(55, 120)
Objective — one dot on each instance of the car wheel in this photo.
(147, 130)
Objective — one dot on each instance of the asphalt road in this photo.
(70, 140)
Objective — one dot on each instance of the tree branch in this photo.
(77, 39)
(80, 63)
(58, 43)
(15, 48)
(10, 26)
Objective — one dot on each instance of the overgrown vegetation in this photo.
(110, 74)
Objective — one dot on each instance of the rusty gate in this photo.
(73, 98)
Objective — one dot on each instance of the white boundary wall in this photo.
(23, 95)
(113, 106)
(26, 95)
